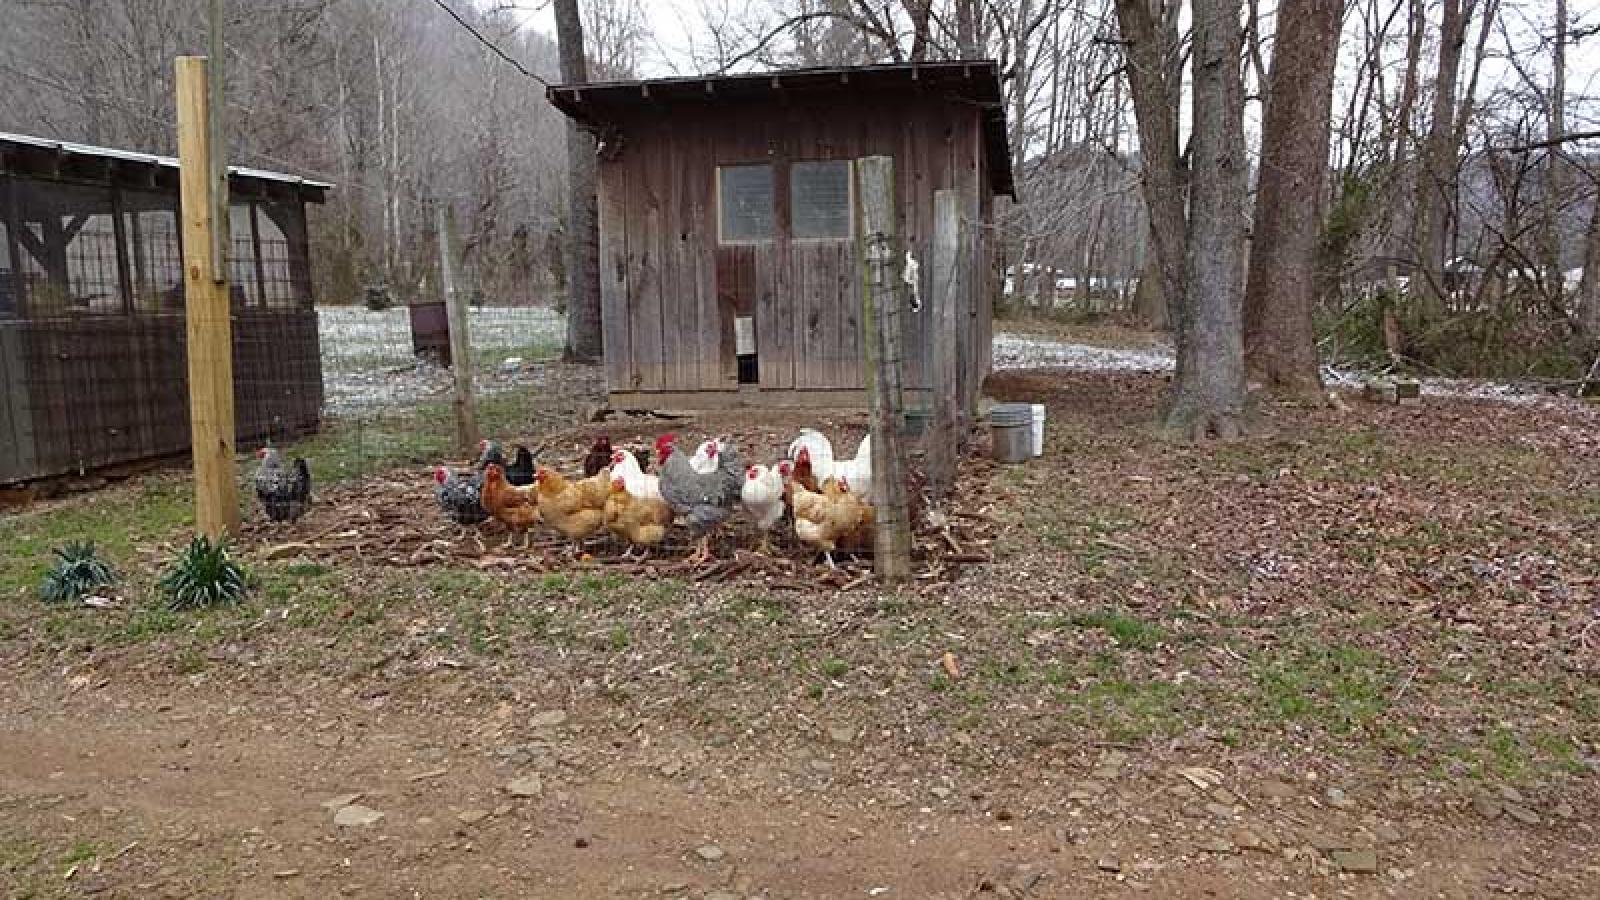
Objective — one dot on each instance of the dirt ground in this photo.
(1353, 656)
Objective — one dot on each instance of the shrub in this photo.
(204, 575)
(78, 570)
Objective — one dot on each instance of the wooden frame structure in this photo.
(692, 320)
(92, 328)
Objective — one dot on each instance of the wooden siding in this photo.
(93, 391)
(671, 292)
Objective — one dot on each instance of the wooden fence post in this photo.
(880, 320)
(207, 313)
(455, 305)
(944, 433)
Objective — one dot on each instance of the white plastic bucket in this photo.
(1038, 429)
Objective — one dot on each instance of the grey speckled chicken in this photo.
(284, 491)
(704, 500)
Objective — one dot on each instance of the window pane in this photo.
(746, 202)
(819, 197)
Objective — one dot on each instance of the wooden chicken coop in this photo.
(728, 226)
(92, 331)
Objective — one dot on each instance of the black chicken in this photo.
(284, 491)
(599, 456)
(518, 472)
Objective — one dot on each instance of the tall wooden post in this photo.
(880, 319)
(210, 328)
(944, 432)
(455, 305)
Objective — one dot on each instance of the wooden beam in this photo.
(210, 329)
(455, 306)
(880, 321)
(943, 430)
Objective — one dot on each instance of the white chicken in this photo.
(762, 497)
(858, 470)
(625, 465)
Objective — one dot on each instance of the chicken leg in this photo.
(702, 554)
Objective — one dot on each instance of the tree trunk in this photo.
(1151, 48)
(583, 231)
(1436, 182)
(1149, 305)
(1555, 162)
(1589, 286)
(1208, 390)
(1279, 336)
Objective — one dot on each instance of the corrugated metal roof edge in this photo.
(151, 159)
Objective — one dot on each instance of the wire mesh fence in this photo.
(93, 338)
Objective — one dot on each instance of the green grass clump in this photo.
(205, 575)
(77, 572)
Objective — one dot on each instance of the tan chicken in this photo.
(577, 509)
(641, 521)
(517, 507)
(829, 520)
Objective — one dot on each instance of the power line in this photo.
(486, 42)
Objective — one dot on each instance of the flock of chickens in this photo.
(698, 492)
(821, 495)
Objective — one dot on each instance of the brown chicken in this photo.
(517, 507)
(641, 521)
(577, 509)
(830, 520)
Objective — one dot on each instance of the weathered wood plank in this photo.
(615, 311)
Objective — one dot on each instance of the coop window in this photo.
(819, 199)
(744, 203)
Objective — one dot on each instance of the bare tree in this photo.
(1279, 335)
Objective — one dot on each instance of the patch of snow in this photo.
(1014, 351)
(368, 365)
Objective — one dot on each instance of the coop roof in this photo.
(974, 81)
(22, 154)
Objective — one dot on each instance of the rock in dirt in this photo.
(472, 816)
(550, 718)
(841, 735)
(1108, 864)
(1563, 810)
(1486, 807)
(1276, 790)
(284, 551)
(342, 800)
(526, 786)
(354, 816)
(1327, 843)
(1246, 839)
(1338, 799)
(1357, 862)
(710, 853)
(1522, 814)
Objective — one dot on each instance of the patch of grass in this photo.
(189, 661)
(1128, 710)
(117, 519)
(1339, 687)
(80, 852)
(1127, 630)
(834, 667)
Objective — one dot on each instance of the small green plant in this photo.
(205, 575)
(77, 572)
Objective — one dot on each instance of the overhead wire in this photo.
(488, 43)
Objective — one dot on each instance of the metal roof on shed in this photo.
(171, 162)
